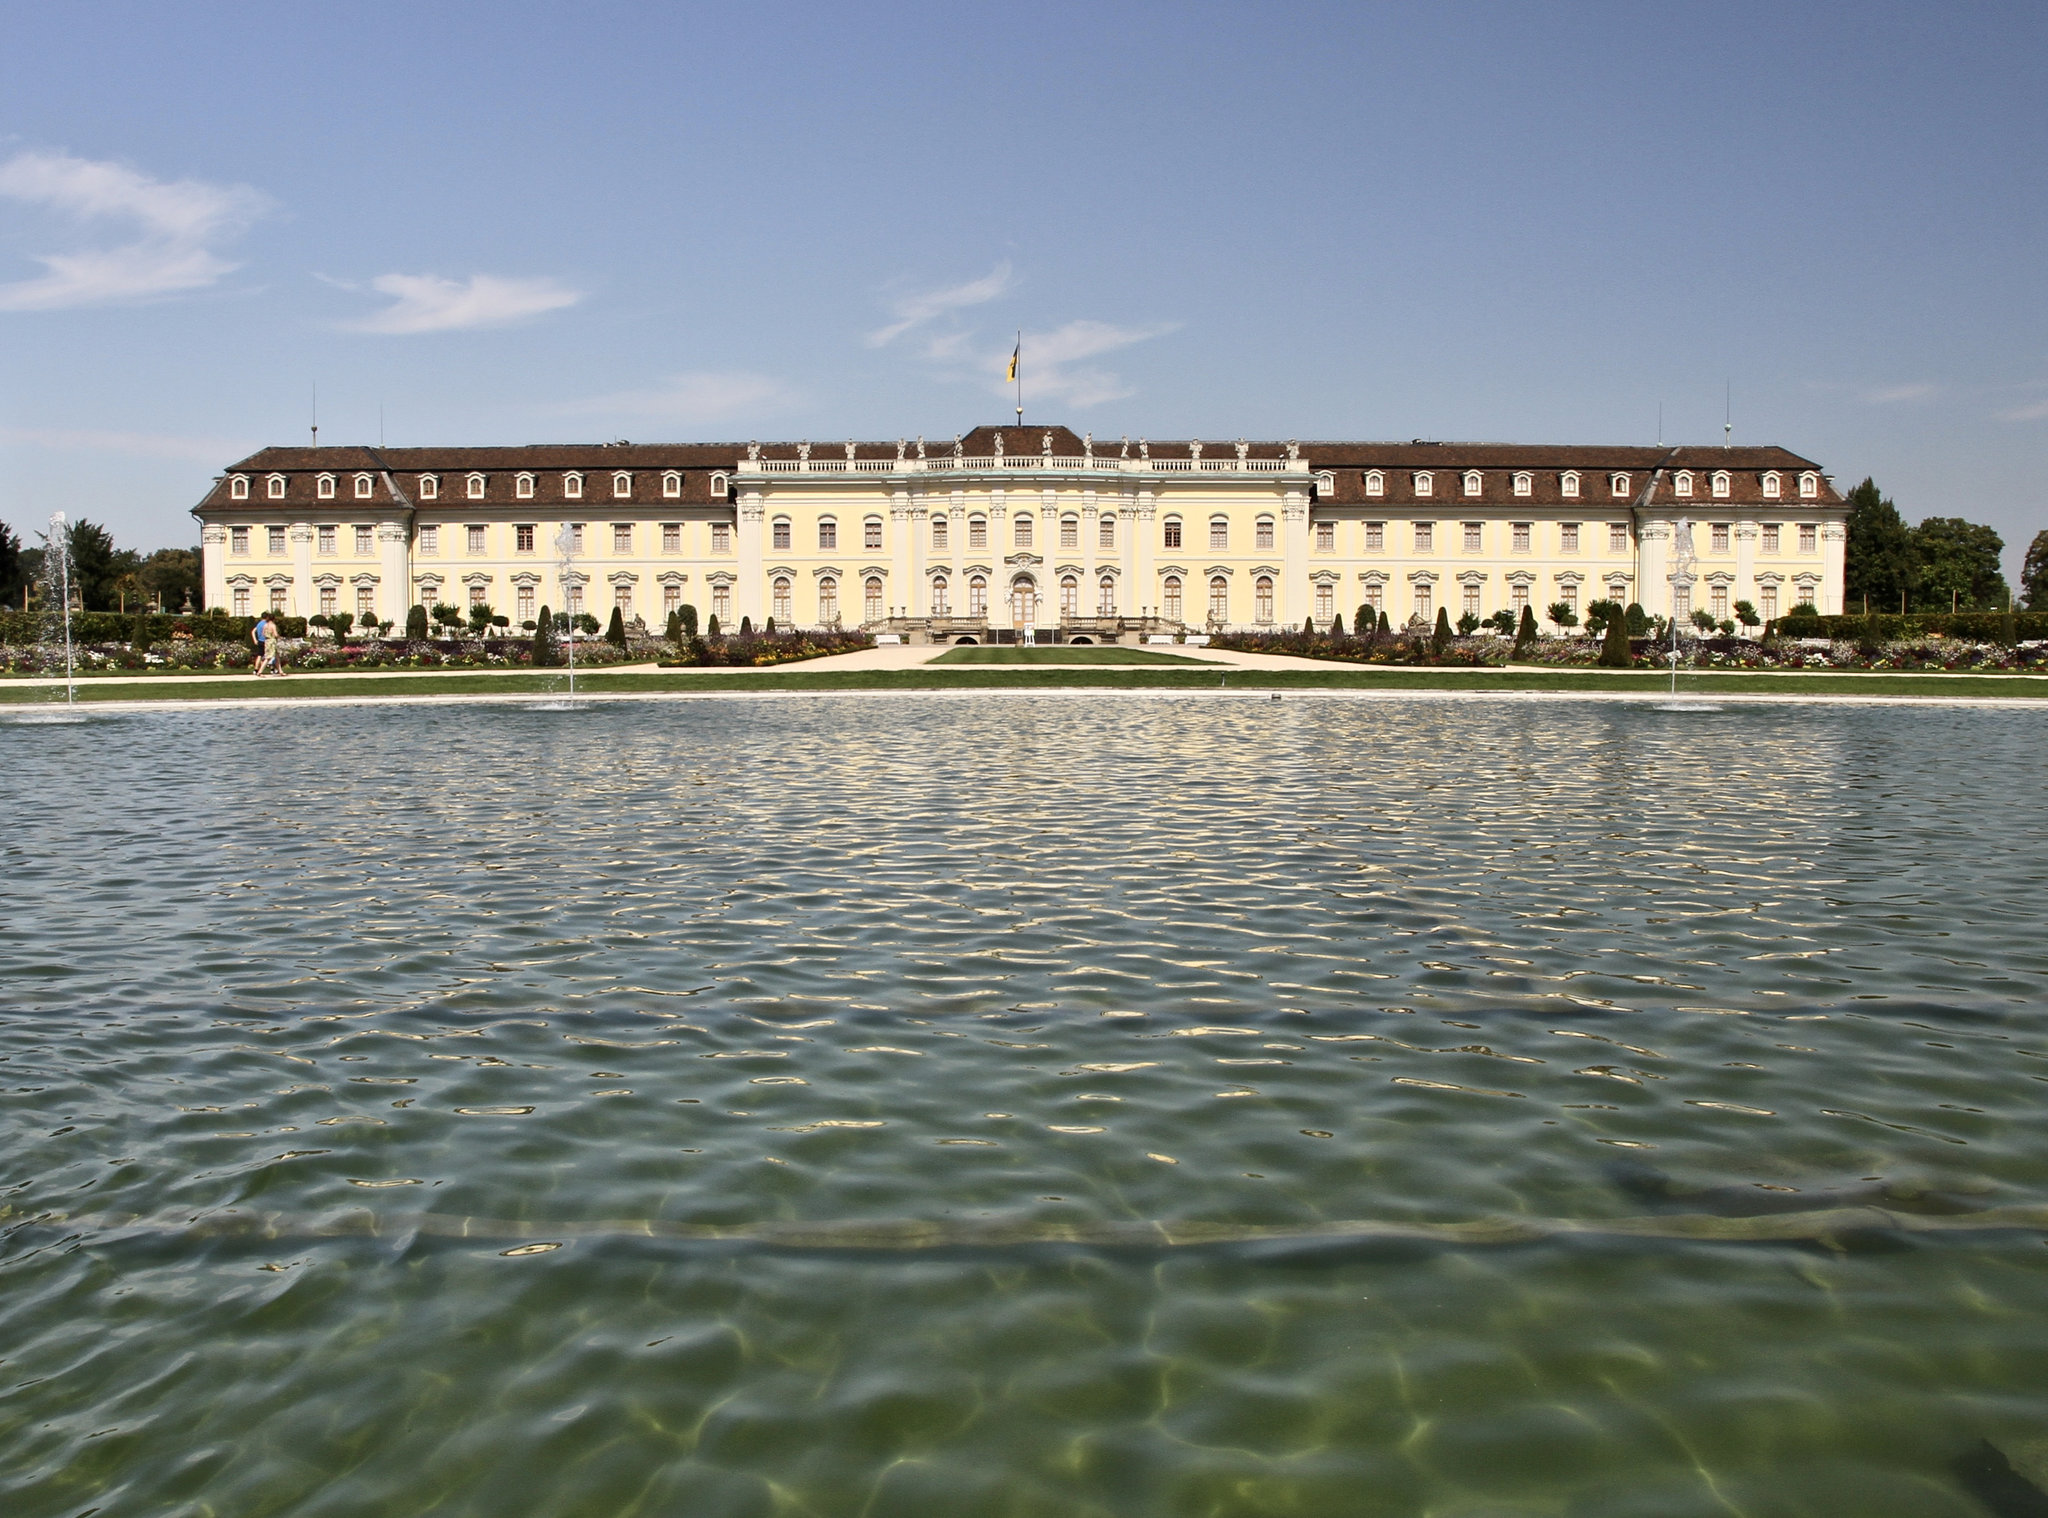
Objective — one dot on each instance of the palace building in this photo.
(1015, 531)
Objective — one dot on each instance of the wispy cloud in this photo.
(179, 223)
(145, 444)
(691, 400)
(2034, 413)
(1891, 395)
(912, 311)
(429, 303)
(1055, 364)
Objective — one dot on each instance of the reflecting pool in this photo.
(963, 1105)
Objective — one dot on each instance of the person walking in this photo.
(276, 646)
(260, 636)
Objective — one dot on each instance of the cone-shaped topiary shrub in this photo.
(547, 652)
(1337, 624)
(1614, 648)
(1525, 630)
(689, 616)
(768, 628)
(615, 630)
(746, 627)
(711, 627)
(1440, 635)
(674, 631)
(416, 625)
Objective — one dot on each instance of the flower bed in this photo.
(761, 650)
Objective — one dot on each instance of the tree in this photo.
(2033, 574)
(1614, 652)
(1308, 626)
(340, 622)
(1704, 621)
(674, 631)
(1364, 621)
(1337, 624)
(746, 627)
(689, 616)
(1383, 630)
(93, 570)
(171, 576)
(768, 628)
(446, 615)
(1468, 624)
(416, 625)
(1562, 614)
(479, 616)
(1745, 613)
(1525, 630)
(711, 627)
(615, 630)
(1599, 614)
(1878, 560)
(1956, 564)
(1502, 622)
(1636, 620)
(14, 576)
(547, 650)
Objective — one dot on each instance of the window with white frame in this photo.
(828, 600)
(828, 533)
(474, 538)
(778, 600)
(721, 603)
(366, 603)
(1717, 601)
(872, 597)
(430, 538)
(1809, 537)
(1617, 591)
(365, 540)
(325, 539)
(275, 485)
(575, 537)
(1219, 534)
(524, 536)
(273, 539)
(573, 594)
(1105, 532)
(1326, 600)
(871, 534)
(977, 597)
(1568, 592)
(1617, 537)
(1770, 537)
(366, 486)
(1720, 484)
(1809, 486)
(1425, 593)
(1170, 533)
(1262, 534)
(719, 486)
(1717, 537)
(939, 589)
(1105, 597)
(1172, 596)
(622, 537)
(572, 486)
(1326, 536)
(1425, 483)
(1474, 535)
(1524, 484)
(977, 532)
(1262, 598)
(1022, 528)
(778, 533)
(430, 487)
(1375, 482)
(721, 537)
(522, 487)
(476, 487)
(1767, 601)
(525, 602)
(1375, 593)
(1375, 537)
(1770, 484)
(1617, 485)
(671, 486)
(1567, 537)
(1472, 599)
(1519, 535)
(329, 601)
(323, 487)
(1219, 599)
(1568, 483)
(1070, 532)
(241, 600)
(940, 529)
(1070, 596)
(622, 486)
(1681, 482)
(238, 488)
(622, 597)
(671, 537)
(1518, 598)
(1425, 537)
(1471, 482)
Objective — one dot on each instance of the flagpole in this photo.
(1019, 366)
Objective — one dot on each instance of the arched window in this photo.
(871, 534)
(365, 484)
(1771, 485)
(671, 485)
(1105, 596)
(1375, 482)
(1809, 486)
(1021, 532)
(1523, 483)
(1681, 482)
(873, 597)
(430, 487)
(1325, 600)
(1425, 483)
(1023, 604)
(276, 483)
(778, 532)
(1568, 484)
(1219, 599)
(1720, 482)
(522, 487)
(1618, 485)
(1171, 532)
(1172, 608)
(622, 486)
(572, 486)
(1262, 533)
(939, 597)
(1106, 533)
(1219, 534)
(1262, 598)
(238, 487)
(1070, 596)
(977, 597)
(977, 532)
(476, 487)
(1070, 532)
(939, 532)
(828, 600)
(323, 487)
(1471, 482)
(779, 606)
(828, 533)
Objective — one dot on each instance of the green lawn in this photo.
(1208, 678)
(1064, 654)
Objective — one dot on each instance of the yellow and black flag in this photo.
(1011, 377)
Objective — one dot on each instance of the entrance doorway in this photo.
(1023, 604)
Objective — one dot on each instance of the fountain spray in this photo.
(1683, 574)
(57, 574)
(565, 562)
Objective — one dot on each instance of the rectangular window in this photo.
(1770, 543)
(1617, 537)
(671, 598)
(779, 534)
(1375, 537)
(525, 603)
(871, 534)
(365, 542)
(1518, 597)
(1567, 537)
(1326, 536)
(366, 603)
(328, 601)
(1262, 533)
(1474, 535)
(721, 537)
(1423, 607)
(1717, 537)
(1107, 532)
(671, 537)
(1425, 537)
(241, 600)
(430, 538)
(1809, 537)
(1022, 531)
(523, 537)
(273, 538)
(977, 532)
(828, 534)
(1070, 532)
(1717, 598)
(327, 540)
(1471, 600)
(721, 603)
(1219, 535)
(573, 594)
(622, 537)
(474, 534)
(1681, 600)
(1767, 597)
(939, 530)
(476, 595)
(1569, 594)
(277, 597)
(1519, 534)
(1172, 532)
(622, 597)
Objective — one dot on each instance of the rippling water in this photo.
(1020, 1106)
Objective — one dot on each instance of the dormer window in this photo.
(572, 486)
(1375, 482)
(1721, 482)
(1569, 485)
(1523, 483)
(365, 485)
(1326, 484)
(238, 488)
(324, 487)
(622, 486)
(522, 487)
(476, 487)
(1619, 485)
(1809, 486)
(276, 484)
(671, 485)
(718, 487)
(430, 487)
(1771, 485)
(1681, 482)
(1471, 482)
(1425, 483)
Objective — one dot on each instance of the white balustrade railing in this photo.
(1021, 463)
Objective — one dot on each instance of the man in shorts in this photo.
(260, 636)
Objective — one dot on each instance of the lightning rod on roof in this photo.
(316, 414)
(1728, 414)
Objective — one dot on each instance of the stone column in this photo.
(213, 567)
(916, 593)
(899, 592)
(1834, 551)
(394, 571)
(747, 566)
(1091, 539)
(1143, 579)
(1294, 531)
(1047, 543)
(1653, 564)
(1746, 534)
(299, 600)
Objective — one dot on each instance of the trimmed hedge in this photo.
(1891, 627)
(24, 627)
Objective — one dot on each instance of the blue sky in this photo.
(516, 223)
